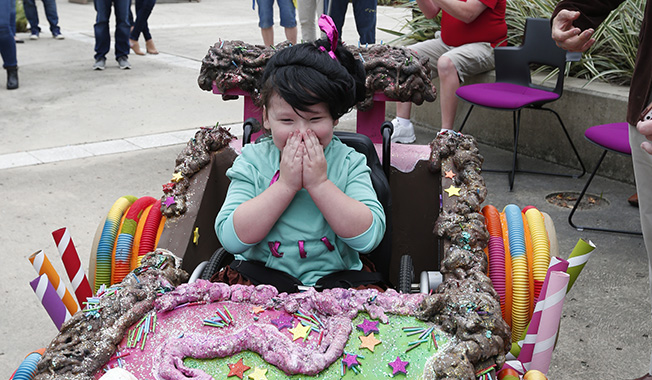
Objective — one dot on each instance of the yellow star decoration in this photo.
(369, 341)
(449, 174)
(195, 236)
(300, 331)
(257, 309)
(176, 177)
(452, 190)
(259, 374)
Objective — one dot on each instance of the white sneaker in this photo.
(403, 134)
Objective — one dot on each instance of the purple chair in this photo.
(611, 138)
(514, 90)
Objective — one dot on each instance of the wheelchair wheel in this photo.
(216, 262)
(406, 274)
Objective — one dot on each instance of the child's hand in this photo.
(314, 162)
(291, 166)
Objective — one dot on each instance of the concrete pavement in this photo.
(74, 140)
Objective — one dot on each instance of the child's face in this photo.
(281, 119)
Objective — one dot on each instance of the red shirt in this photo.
(489, 26)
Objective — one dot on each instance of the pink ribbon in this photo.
(327, 25)
(327, 243)
(274, 246)
(302, 250)
(275, 178)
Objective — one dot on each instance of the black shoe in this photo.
(12, 77)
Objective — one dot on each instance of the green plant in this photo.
(21, 21)
(610, 59)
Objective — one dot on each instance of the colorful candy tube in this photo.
(577, 259)
(72, 263)
(27, 368)
(550, 318)
(43, 266)
(50, 300)
(525, 356)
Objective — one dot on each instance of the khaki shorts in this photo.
(469, 60)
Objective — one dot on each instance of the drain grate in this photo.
(568, 199)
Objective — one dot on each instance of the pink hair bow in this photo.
(327, 25)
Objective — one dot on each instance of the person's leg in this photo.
(8, 45)
(101, 28)
(52, 16)
(143, 10)
(31, 14)
(122, 27)
(643, 173)
(266, 21)
(453, 67)
(365, 20)
(337, 11)
(12, 17)
(307, 19)
(288, 19)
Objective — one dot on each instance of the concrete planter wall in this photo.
(541, 137)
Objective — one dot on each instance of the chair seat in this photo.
(614, 136)
(504, 95)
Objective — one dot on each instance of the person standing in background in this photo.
(143, 10)
(8, 45)
(309, 11)
(266, 20)
(103, 35)
(31, 13)
(364, 12)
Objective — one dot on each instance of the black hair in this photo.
(303, 75)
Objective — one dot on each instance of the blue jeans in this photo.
(364, 12)
(50, 13)
(266, 13)
(102, 34)
(143, 10)
(7, 42)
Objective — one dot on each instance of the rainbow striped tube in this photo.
(520, 281)
(107, 240)
(27, 368)
(122, 259)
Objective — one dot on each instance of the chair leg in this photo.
(517, 125)
(579, 199)
(563, 127)
(466, 118)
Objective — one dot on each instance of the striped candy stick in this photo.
(42, 265)
(72, 263)
(50, 300)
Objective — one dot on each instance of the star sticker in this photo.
(283, 321)
(169, 201)
(369, 342)
(450, 174)
(237, 369)
(452, 190)
(350, 360)
(368, 326)
(168, 187)
(300, 331)
(195, 236)
(398, 365)
(176, 177)
(258, 310)
(259, 374)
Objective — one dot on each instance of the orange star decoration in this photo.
(176, 177)
(259, 374)
(237, 369)
(369, 342)
(300, 331)
(450, 174)
(257, 309)
(452, 190)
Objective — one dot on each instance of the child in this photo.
(300, 205)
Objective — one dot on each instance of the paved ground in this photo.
(74, 140)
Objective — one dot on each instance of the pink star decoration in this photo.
(169, 201)
(398, 365)
(350, 360)
(368, 326)
(283, 321)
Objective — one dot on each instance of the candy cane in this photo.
(72, 263)
(43, 266)
(50, 300)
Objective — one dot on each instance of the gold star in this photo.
(300, 331)
(452, 190)
(259, 374)
(257, 309)
(195, 236)
(369, 342)
(450, 174)
(176, 177)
